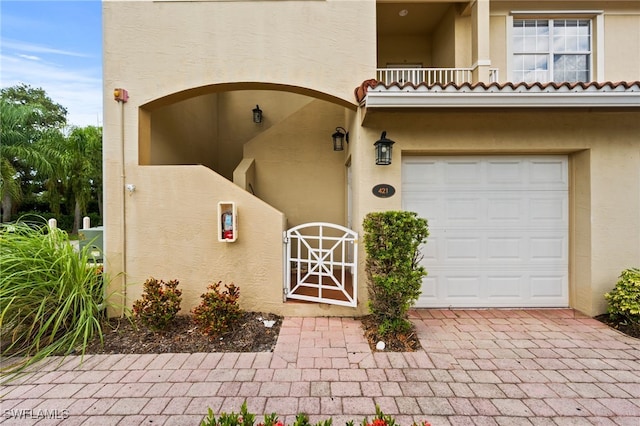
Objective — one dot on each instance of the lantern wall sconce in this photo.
(257, 115)
(384, 147)
(339, 137)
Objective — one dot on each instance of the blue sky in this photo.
(55, 45)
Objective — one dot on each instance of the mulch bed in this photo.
(397, 342)
(130, 336)
(627, 327)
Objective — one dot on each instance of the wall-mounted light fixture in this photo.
(257, 115)
(339, 137)
(383, 150)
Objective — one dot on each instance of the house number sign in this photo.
(383, 190)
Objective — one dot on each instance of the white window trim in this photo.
(597, 34)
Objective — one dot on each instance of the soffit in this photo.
(420, 19)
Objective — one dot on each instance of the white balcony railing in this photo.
(429, 76)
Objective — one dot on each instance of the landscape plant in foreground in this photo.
(244, 418)
(52, 296)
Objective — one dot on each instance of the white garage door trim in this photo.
(498, 229)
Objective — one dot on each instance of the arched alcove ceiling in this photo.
(227, 87)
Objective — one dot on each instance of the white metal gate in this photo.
(321, 264)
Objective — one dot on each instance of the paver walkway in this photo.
(477, 367)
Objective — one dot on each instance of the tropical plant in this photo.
(624, 299)
(19, 155)
(53, 297)
(30, 121)
(392, 241)
(159, 305)
(245, 418)
(42, 160)
(218, 311)
(78, 171)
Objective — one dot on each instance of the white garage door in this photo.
(498, 229)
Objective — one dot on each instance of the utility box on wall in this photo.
(227, 222)
(91, 239)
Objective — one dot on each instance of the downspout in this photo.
(121, 95)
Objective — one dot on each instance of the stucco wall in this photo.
(622, 30)
(444, 41)
(605, 159)
(297, 170)
(498, 46)
(161, 48)
(186, 133)
(236, 126)
(164, 54)
(172, 233)
(393, 51)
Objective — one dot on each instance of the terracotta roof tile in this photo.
(608, 86)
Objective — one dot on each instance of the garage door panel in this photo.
(460, 210)
(429, 288)
(462, 287)
(461, 172)
(548, 248)
(463, 248)
(418, 172)
(547, 286)
(549, 172)
(505, 211)
(544, 210)
(535, 173)
(506, 247)
(502, 289)
(456, 209)
(505, 286)
(430, 252)
(505, 172)
(498, 229)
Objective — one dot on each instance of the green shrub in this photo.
(159, 305)
(624, 299)
(52, 298)
(392, 240)
(218, 311)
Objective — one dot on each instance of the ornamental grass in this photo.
(52, 297)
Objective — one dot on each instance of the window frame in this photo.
(596, 53)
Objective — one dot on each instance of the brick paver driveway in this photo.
(477, 367)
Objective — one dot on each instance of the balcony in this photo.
(429, 76)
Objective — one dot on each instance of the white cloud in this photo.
(35, 48)
(30, 57)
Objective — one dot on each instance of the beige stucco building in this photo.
(516, 127)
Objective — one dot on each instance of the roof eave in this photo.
(384, 99)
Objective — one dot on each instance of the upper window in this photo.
(551, 50)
